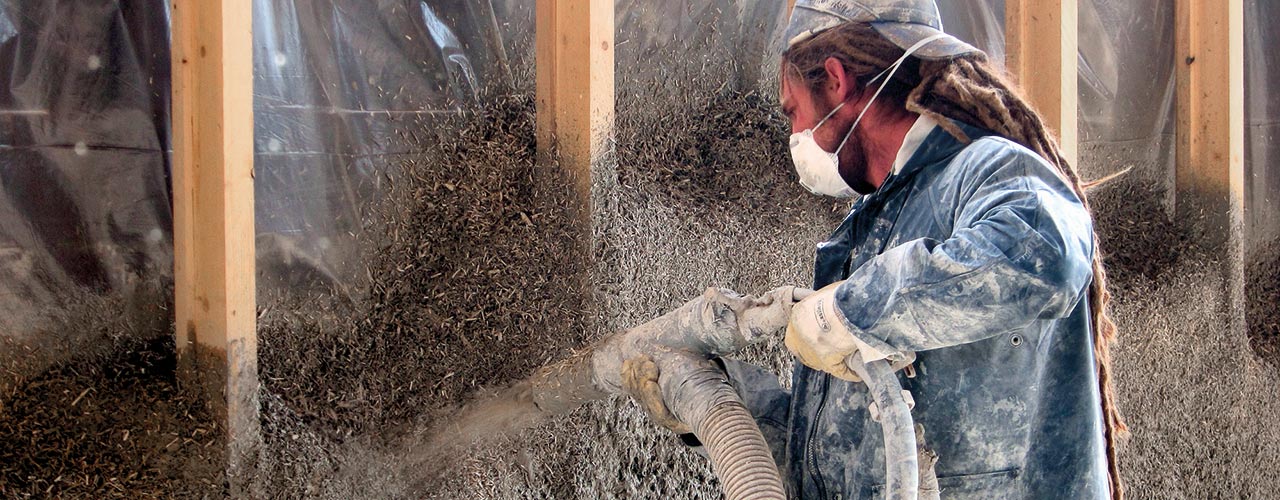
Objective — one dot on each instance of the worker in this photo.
(969, 261)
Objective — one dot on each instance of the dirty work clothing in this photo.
(977, 257)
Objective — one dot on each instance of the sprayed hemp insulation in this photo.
(477, 276)
(112, 421)
(474, 276)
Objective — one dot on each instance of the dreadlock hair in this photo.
(968, 89)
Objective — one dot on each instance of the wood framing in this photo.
(1041, 48)
(1210, 157)
(215, 312)
(1210, 103)
(575, 83)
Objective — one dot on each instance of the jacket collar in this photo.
(939, 145)
(919, 131)
(937, 149)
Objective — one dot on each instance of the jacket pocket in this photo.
(997, 485)
(987, 485)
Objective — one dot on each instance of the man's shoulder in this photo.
(993, 157)
(997, 147)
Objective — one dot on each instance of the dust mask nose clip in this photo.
(818, 169)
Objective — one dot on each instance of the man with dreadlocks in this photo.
(971, 251)
(969, 262)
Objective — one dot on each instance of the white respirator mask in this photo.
(819, 170)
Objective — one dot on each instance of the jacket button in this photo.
(1016, 340)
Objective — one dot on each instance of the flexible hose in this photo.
(700, 395)
(696, 391)
(739, 454)
(902, 469)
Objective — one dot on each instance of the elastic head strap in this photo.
(893, 68)
(824, 119)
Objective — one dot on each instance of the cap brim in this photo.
(812, 21)
(905, 35)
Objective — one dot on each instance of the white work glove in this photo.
(818, 334)
(720, 319)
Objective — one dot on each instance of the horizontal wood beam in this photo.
(1041, 55)
(212, 91)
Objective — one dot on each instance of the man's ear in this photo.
(839, 85)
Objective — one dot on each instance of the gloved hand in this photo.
(818, 335)
(715, 324)
(640, 381)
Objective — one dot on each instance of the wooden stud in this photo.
(575, 105)
(1210, 102)
(212, 85)
(1210, 132)
(1041, 55)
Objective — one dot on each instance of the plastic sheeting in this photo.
(1127, 90)
(730, 43)
(84, 106)
(979, 22)
(340, 87)
(84, 200)
(1262, 122)
(696, 42)
(84, 183)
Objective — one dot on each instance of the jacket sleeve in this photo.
(1020, 251)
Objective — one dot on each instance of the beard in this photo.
(853, 164)
(852, 157)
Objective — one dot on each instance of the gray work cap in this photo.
(903, 22)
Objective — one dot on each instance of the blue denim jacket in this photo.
(978, 258)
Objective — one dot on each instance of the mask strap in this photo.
(893, 68)
(824, 119)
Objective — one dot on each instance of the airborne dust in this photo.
(479, 274)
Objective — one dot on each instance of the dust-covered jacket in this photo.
(978, 258)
